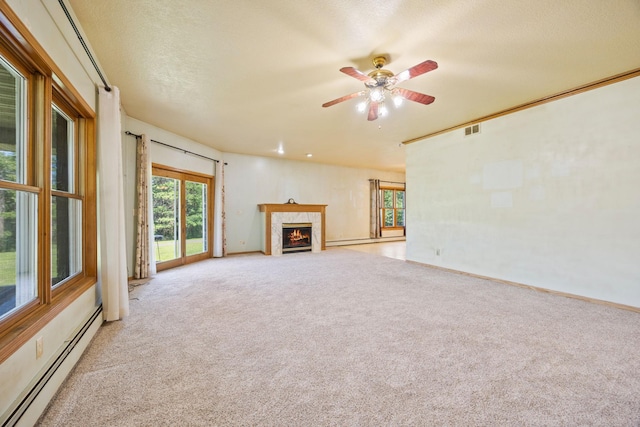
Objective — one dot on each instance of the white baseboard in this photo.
(364, 241)
(44, 387)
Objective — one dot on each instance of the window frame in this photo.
(25, 74)
(47, 84)
(394, 208)
(183, 176)
(64, 107)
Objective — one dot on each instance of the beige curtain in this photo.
(374, 219)
(150, 225)
(224, 219)
(141, 270)
(112, 240)
(219, 246)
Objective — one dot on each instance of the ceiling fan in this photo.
(380, 85)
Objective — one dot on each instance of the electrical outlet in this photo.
(39, 347)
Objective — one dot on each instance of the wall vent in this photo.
(470, 130)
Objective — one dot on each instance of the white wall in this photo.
(170, 156)
(548, 196)
(17, 372)
(21, 368)
(164, 156)
(251, 180)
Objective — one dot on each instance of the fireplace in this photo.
(296, 237)
(273, 215)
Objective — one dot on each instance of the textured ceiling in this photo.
(247, 77)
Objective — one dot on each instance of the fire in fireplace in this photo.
(296, 237)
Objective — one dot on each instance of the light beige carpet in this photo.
(343, 338)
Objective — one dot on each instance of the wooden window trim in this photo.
(64, 104)
(67, 195)
(31, 318)
(45, 82)
(30, 85)
(177, 173)
(395, 227)
(19, 187)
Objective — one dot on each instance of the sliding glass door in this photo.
(181, 216)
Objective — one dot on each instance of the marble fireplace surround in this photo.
(274, 215)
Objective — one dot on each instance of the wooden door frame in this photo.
(183, 176)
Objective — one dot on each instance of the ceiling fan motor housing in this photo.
(379, 61)
(379, 75)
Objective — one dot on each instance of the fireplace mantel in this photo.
(275, 214)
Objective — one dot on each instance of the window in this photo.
(393, 208)
(48, 253)
(66, 203)
(18, 249)
(12, 123)
(18, 202)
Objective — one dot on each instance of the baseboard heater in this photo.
(38, 384)
(360, 241)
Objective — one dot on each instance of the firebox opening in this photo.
(296, 237)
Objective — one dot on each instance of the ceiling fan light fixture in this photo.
(382, 110)
(380, 85)
(376, 95)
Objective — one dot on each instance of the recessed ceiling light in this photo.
(309, 155)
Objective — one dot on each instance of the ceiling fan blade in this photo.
(416, 70)
(373, 111)
(343, 98)
(350, 71)
(414, 96)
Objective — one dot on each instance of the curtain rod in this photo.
(175, 148)
(388, 182)
(84, 45)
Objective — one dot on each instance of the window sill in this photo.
(27, 324)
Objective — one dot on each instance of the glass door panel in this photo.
(181, 216)
(196, 217)
(166, 218)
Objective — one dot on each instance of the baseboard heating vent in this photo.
(470, 130)
(38, 384)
